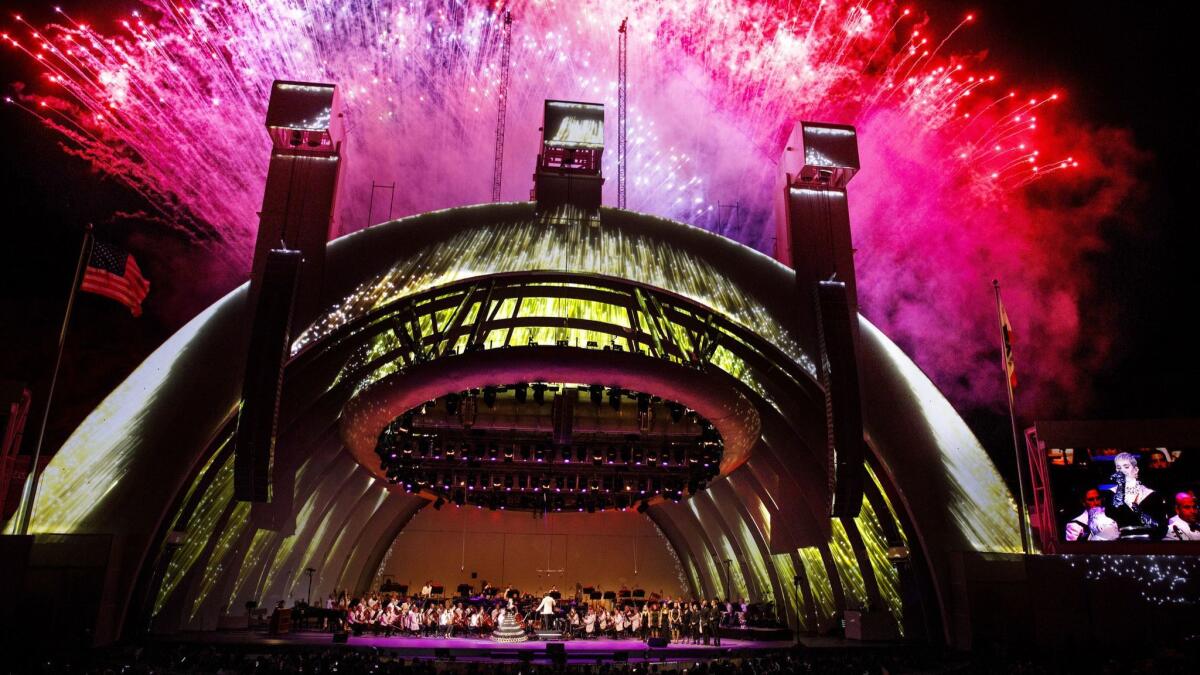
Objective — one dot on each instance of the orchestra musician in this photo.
(1183, 525)
(589, 623)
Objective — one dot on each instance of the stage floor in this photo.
(479, 649)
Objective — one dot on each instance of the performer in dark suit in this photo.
(714, 620)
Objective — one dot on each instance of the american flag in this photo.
(113, 273)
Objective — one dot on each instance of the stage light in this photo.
(676, 412)
(489, 397)
(452, 404)
(596, 394)
(539, 453)
(521, 392)
(539, 393)
(508, 453)
(566, 454)
(614, 399)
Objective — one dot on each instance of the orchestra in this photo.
(394, 614)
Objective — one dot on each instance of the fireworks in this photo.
(170, 99)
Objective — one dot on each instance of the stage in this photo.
(480, 649)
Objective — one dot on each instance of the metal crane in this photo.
(622, 112)
(505, 51)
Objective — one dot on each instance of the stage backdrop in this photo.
(607, 550)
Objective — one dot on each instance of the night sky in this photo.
(1126, 65)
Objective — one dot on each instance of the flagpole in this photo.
(25, 510)
(1012, 418)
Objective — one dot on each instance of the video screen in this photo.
(572, 125)
(1125, 494)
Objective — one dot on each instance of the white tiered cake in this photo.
(508, 629)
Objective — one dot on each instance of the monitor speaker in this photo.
(657, 642)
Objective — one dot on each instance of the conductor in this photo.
(546, 610)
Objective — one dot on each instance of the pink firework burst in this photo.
(966, 176)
